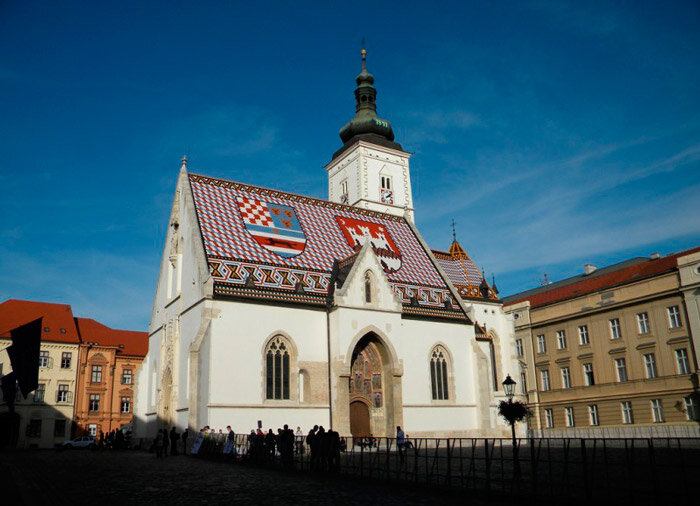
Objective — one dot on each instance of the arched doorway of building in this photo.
(359, 419)
(370, 389)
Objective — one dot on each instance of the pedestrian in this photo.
(299, 438)
(311, 443)
(166, 442)
(400, 441)
(229, 446)
(173, 441)
(159, 444)
(184, 437)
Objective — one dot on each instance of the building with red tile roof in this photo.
(60, 407)
(613, 351)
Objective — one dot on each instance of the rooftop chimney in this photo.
(588, 269)
(654, 256)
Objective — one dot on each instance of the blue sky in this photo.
(554, 133)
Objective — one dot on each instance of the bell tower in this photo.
(371, 170)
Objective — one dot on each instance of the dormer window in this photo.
(386, 193)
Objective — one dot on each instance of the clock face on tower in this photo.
(386, 196)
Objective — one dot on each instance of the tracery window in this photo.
(438, 374)
(366, 376)
(277, 368)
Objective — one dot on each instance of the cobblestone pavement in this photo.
(131, 477)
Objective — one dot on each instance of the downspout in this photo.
(329, 305)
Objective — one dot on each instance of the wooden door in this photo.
(359, 419)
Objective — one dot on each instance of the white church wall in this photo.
(240, 333)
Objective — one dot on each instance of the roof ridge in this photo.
(286, 194)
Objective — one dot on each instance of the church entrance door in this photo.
(359, 419)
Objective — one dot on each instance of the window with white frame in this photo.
(561, 339)
(650, 365)
(541, 344)
(544, 377)
(92, 429)
(66, 358)
(588, 374)
(96, 374)
(548, 418)
(615, 331)
(692, 410)
(127, 377)
(519, 347)
(565, 377)
(627, 417)
(62, 394)
(657, 410)
(583, 335)
(43, 359)
(682, 361)
(126, 405)
(523, 382)
(621, 368)
(40, 392)
(674, 317)
(94, 404)
(593, 414)
(569, 416)
(643, 323)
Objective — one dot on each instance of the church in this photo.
(275, 308)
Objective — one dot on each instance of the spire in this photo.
(454, 231)
(366, 125)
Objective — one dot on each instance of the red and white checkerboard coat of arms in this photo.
(358, 232)
(274, 227)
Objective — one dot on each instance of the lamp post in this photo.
(509, 389)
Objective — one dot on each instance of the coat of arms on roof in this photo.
(358, 232)
(275, 227)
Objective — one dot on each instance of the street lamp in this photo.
(510, 414)
(509, 388)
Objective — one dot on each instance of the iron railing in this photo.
(644, 470)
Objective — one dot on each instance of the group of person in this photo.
(268, 448)
(113, 440)
(165, 441)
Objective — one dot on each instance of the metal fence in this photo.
(583, 469)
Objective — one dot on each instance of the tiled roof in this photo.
(593, 283)
(267, 244)
(463, 273)
(127, 341)
(57, 318)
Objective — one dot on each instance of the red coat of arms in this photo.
(358, 232)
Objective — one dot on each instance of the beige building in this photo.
(613, 351)
(46, 414)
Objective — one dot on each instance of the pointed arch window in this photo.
(277, 368)
(438, 374)
(368, 287)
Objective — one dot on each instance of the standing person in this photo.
(400, 441)
(311, 443)
(102, 440)
(159, 444)
(166, 442)
(173, 441)
(299, 439)
(184, 437)
(229, 447)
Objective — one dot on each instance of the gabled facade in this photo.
(276, 308)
